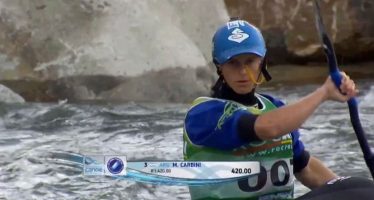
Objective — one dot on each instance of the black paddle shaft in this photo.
(337, 77)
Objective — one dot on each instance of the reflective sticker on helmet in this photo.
(235, 24)
(238, 36)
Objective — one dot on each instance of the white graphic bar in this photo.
(196, 169)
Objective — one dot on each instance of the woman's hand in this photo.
(285, 119)
(347, 88)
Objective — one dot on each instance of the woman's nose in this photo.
(243, 69)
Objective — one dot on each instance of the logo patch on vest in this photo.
(229, 110)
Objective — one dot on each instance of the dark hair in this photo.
(216, 89)
(234, 18)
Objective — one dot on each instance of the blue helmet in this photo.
(237, 37)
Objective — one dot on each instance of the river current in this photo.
(36, 139)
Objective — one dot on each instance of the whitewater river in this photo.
(36, 139)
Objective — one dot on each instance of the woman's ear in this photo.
(218, 70)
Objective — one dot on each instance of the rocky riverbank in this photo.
(98, 50)
(167, 85)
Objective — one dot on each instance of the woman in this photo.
(237, 124)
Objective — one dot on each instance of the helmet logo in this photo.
(235, 24)
(238, 36)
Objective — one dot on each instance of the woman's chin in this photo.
(242, 90)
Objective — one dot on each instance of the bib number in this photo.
(262, 178)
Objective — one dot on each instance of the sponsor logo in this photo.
(235, 24)
(262, 148)
(229, 110)
(115, 165)
(238, 36)
(93, 165)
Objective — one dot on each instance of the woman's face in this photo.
(236, 72)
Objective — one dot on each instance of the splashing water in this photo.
(36, 139)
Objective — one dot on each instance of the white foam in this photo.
(368, 100)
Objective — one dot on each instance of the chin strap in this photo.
(260, 78)
(263, 76)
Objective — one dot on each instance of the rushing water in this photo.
(35, 137)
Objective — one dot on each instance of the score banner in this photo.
(169, 172)
(197, 169)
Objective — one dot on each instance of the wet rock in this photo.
(290, 32)
(167, 85)
(152, 51)
(47, 40)
(8, 96)
(76, 50)
(72, 89)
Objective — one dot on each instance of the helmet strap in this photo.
(260, 78)
(264, 70)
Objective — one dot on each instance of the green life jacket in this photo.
(276, 179)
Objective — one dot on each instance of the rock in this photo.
(78, 50)
(167, 85)
(8, 96)
(291, 35)
(46, 40)
(125, 50)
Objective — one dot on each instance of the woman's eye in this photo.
(249, 62)
(233, 62)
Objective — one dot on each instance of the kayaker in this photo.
(236, 123)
